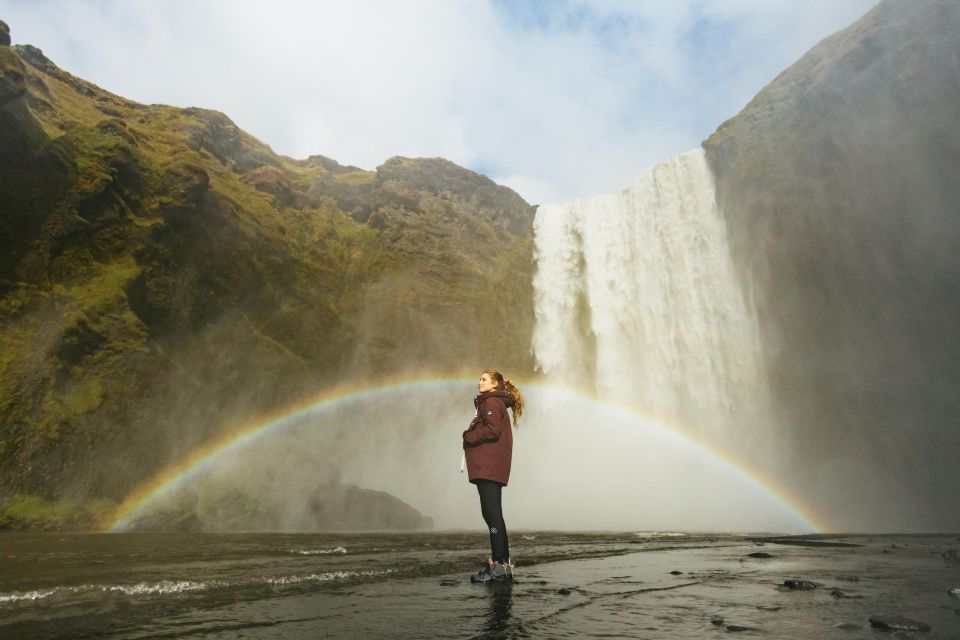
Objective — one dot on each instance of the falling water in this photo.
(637, 297)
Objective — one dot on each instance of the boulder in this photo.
(799, 585)
(897, 623)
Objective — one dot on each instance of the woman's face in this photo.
(486, 383)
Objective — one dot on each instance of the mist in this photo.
(579, 464)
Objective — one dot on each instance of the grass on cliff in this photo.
(24, 512)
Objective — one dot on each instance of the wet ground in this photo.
(621, 585)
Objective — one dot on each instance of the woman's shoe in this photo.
(495, 573)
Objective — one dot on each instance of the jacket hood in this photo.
(508, 399)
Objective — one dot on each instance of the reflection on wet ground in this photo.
(417, 586)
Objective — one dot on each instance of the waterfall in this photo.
(636, 296)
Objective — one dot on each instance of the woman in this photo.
(488, 449)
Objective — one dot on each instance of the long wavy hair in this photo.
(504, 384)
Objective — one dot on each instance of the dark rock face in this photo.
(839, 187)
(4, 34)
(897, 623)
(12, 77)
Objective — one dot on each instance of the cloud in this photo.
(558, 100)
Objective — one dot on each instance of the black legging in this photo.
(493, 515)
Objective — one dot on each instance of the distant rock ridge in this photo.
(329, 506)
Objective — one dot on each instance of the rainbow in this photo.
(180, 474)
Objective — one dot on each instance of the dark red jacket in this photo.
(488, 442)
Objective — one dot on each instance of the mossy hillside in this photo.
(168, 276)
(33, 512)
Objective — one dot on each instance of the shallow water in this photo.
(416, 585)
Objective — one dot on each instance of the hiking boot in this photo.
(496, 572)
(482, 576)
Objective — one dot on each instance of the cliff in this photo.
(839, 183)
(165, 274)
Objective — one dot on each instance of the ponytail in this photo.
(507, 386)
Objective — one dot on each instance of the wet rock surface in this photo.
(897, 623)
(760, 554)
(849, 626)
(568, 587)
(799, 585)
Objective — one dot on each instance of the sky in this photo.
(556, 99)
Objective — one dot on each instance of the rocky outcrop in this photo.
(331, 506)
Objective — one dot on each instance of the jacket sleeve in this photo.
(493, 419)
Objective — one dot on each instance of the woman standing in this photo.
(488, 448)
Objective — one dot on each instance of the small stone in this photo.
(760, 554)
(737, 627)
(840, 593)
(799, 585)
(564, 591)
(897, 623)
(954, 592)
(675, 573)
(716, 621)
